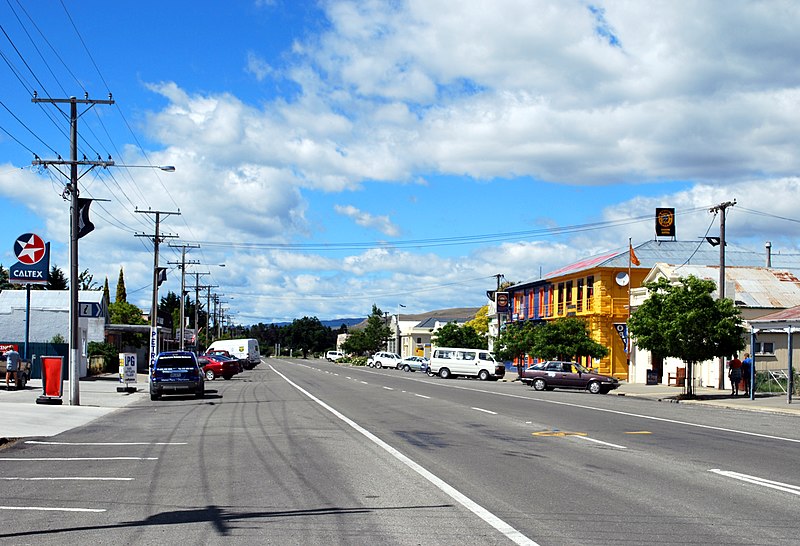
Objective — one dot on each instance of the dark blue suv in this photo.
(176, 372)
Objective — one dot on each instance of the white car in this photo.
(384, 360)
(333, 356)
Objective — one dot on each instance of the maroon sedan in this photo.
(218, 365)
(568, 375)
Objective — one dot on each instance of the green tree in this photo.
(86, 281)
(122, 312)
(169, 305)
(516, 340)
(106, 292)
(372, 338)
(481, 321)
(564, 339)
(308, 334)
(4, 282)
(683, 320)
(453, 335)
(122, 294)
(57, 280)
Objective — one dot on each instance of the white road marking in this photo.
(364, 383)
(485, 411)
(106, 443)
(501, 526)
(388, 388)
(786, 487)
(422, 396)
(600, 442)
(51, 509)
(74, 478)
(78, 458)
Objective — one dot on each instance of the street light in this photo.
(165, 168)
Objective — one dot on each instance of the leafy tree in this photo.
(4, 282)
(516, 340)
(453, 335)
(566, 338)
(57, 280)
(86, 281)
(106, 292)
(169, 305)
(481, 321)
(684, 321)
(122, 312)
(372, 338)
(122, 295)
(308, 334)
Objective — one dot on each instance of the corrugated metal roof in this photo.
(750, 286)
(46, 299)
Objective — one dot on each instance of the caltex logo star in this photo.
(29, 249)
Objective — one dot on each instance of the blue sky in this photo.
(339, 154)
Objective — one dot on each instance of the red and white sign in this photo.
(29, 249)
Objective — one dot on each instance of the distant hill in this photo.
(335, 323)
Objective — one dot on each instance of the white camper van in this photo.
(244, 349)
(451, 362)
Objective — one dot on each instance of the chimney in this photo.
(769, 253)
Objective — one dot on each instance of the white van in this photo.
(450, 361)
(244, 349)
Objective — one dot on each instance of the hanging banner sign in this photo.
(501, 299)
(665, 222)
(622, 330)
(33, 266)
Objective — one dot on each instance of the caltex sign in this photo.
(33, 266)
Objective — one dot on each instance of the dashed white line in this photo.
(388, 388)
(600, 442)
(78, 458)
(422, 396)
(51, 509)
(786, 487)
(39, 442)
(485, 411)
(67, 478)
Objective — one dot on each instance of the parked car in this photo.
(221, 352)
(219, 366)
(384, 360)
(414, 364)
(333, 356)
(567, 375)
(176, 372)
(453, 362)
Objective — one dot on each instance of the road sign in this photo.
(33, 266)
(91, 310)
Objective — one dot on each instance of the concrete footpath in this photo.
(21, 416)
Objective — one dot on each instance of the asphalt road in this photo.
(307, 452)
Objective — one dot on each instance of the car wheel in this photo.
(539, 384)
(227, 377)
(201, 391)
(379, 365)
(483, 375)
(444, 373)
(210, 375)
(406, 368)
(594, 387)
(154, 396)
(430, 373)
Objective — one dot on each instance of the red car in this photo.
(218, 365)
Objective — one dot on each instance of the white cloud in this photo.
(365, 219)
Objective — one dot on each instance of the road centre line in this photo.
(68, 478)
(619, 412)
(788, 488)
(609, 444)
(78, 458)
(422, 396)
(40, 442)
(511, 533)
(485, 411)
(52, 509)
(388, 388)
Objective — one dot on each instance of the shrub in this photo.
(108, 352)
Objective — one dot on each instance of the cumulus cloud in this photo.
(367, 220)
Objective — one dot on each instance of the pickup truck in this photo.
(23, 373)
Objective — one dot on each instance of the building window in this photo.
(419, 340)
(589, 292)
(580, 295)
(560, 310)
(766, 348)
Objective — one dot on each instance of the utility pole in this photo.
(157, 239)
(208, 288)
(182, 264)
(721, 289)
(197, 288)
(73, 192)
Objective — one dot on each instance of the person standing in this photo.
(747, 370)
(735, 374)
(12, 365)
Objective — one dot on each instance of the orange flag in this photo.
(634, 259)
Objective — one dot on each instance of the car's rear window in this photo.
(175, 362)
